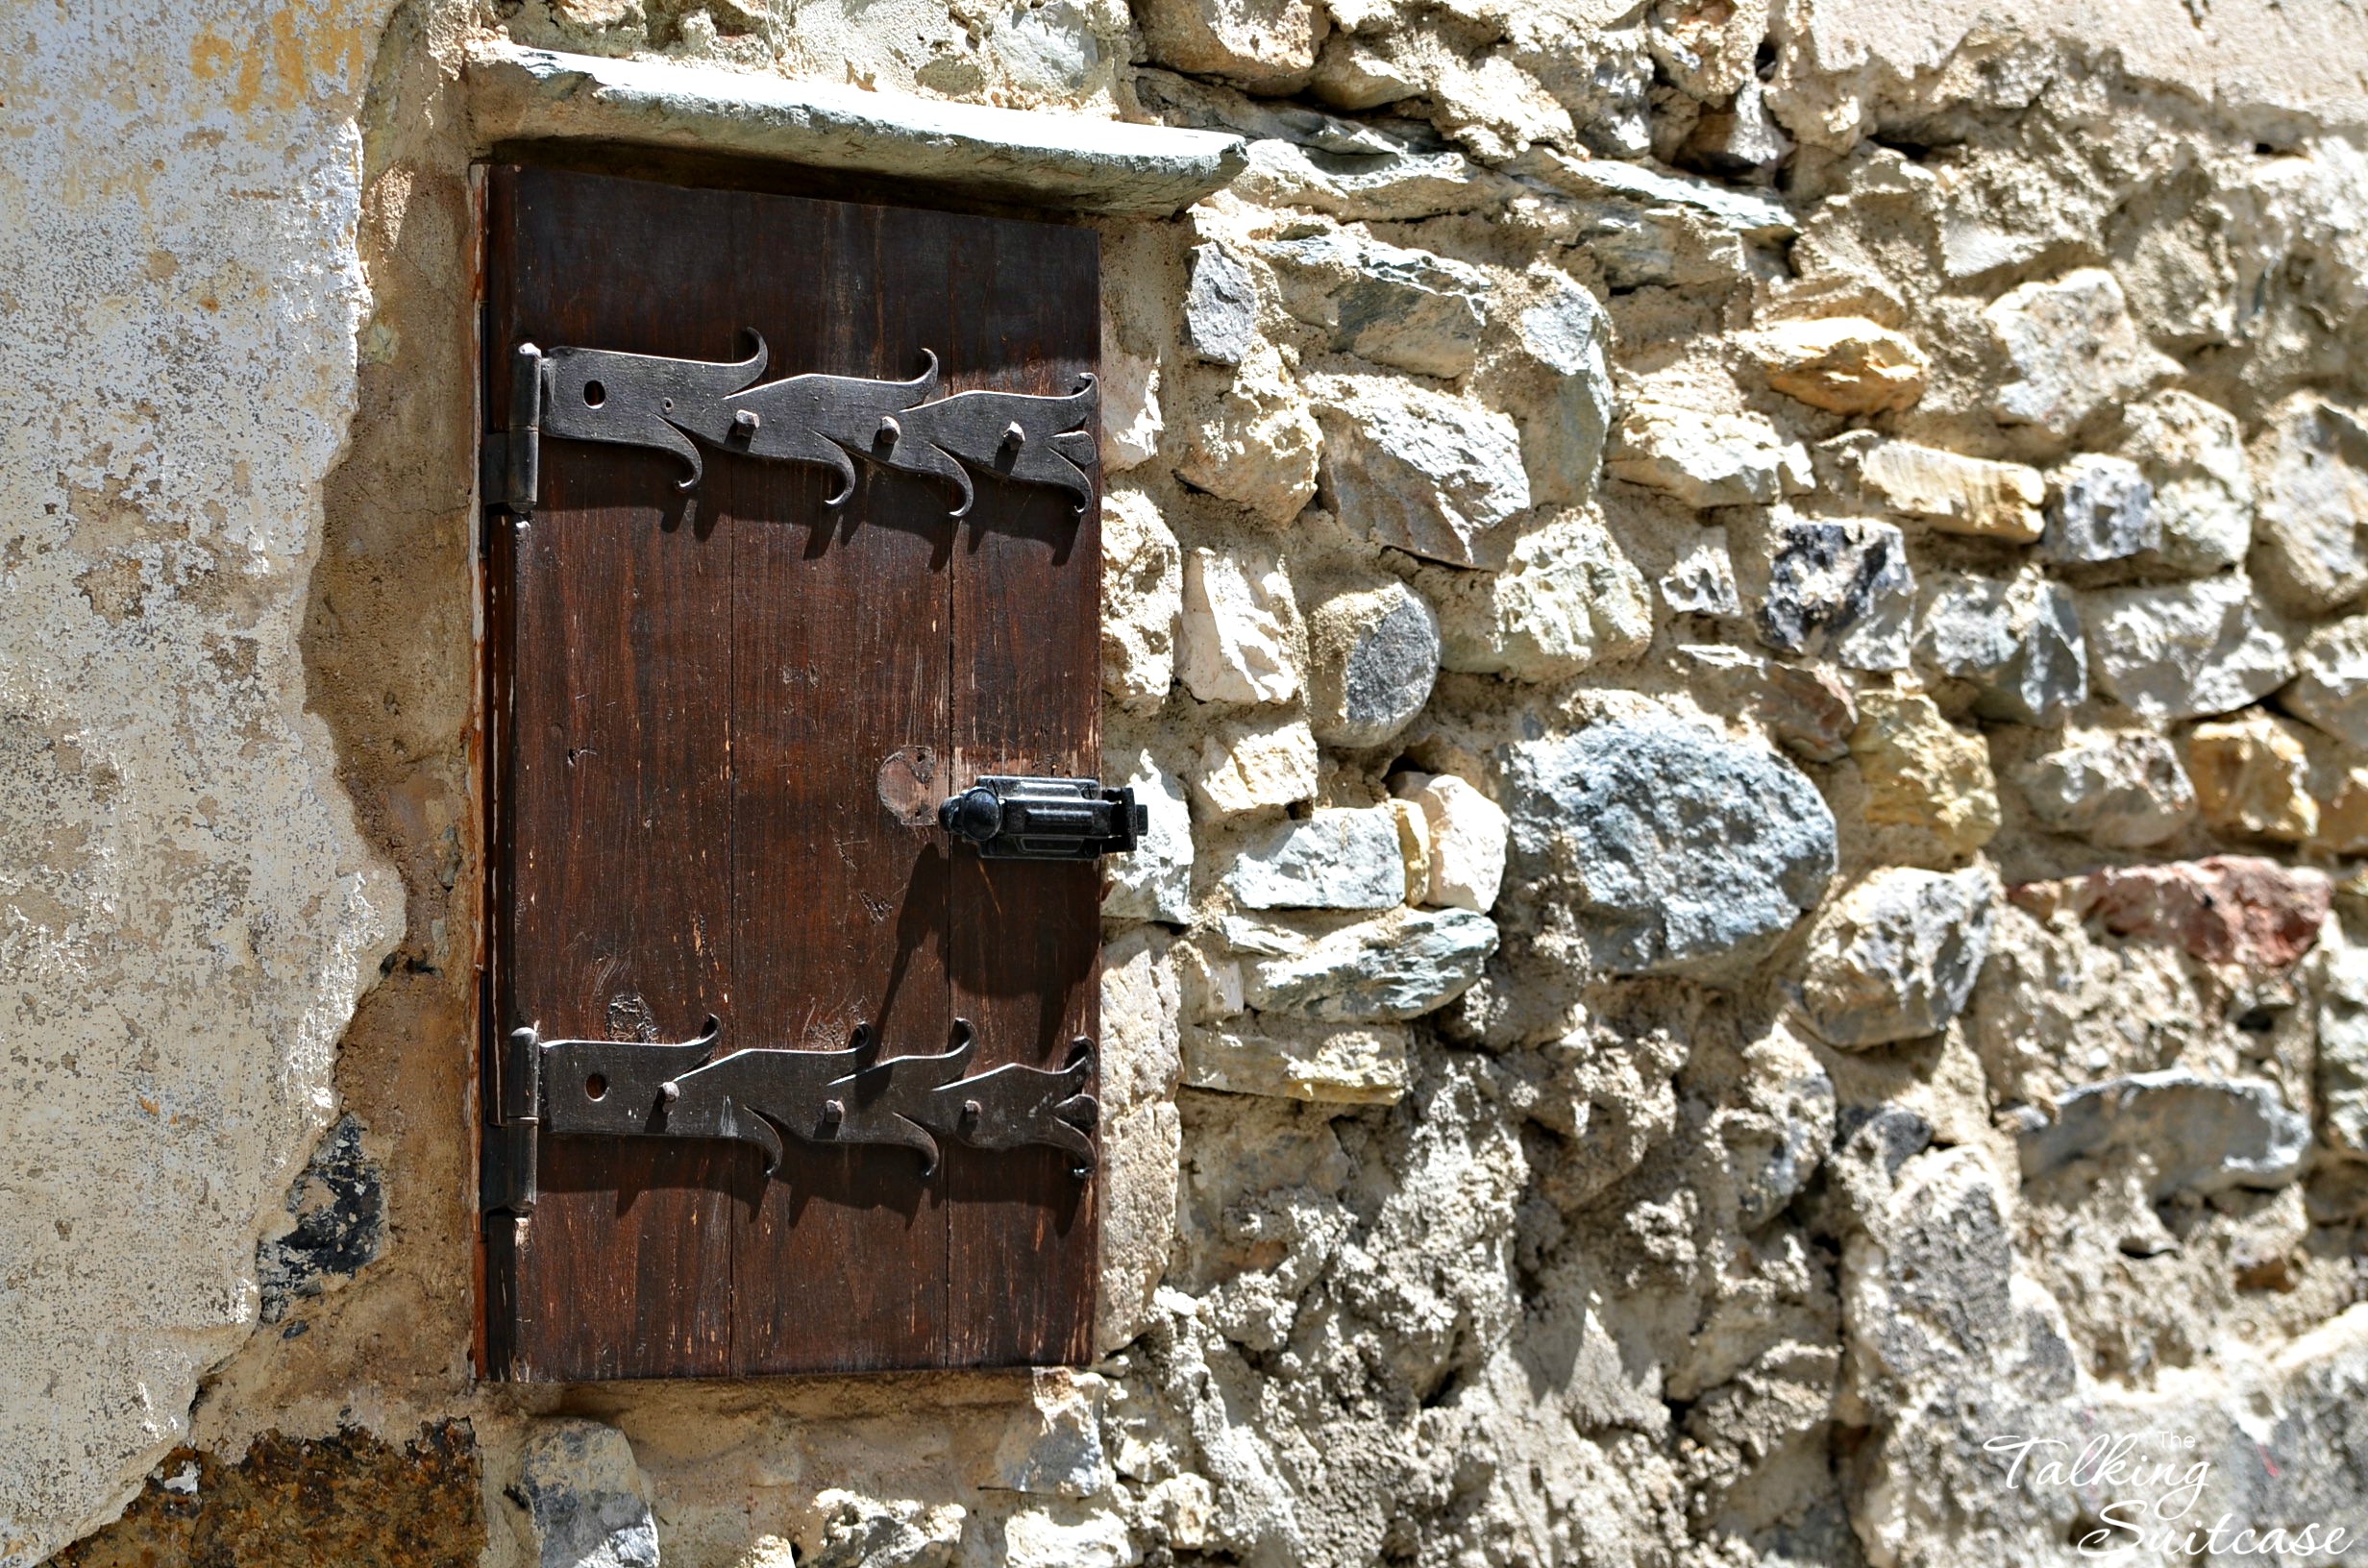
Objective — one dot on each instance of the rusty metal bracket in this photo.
(675, 406)
(626, 1089)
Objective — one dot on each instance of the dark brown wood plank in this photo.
(841, 664)
(752, 658)
(1025, 942)
(617, 816)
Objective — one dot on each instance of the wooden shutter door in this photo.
(712, 713)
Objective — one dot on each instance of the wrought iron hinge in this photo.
(509, 463)
(642, 399)
(509, 1176)
(630, 1088)
(1045, 819)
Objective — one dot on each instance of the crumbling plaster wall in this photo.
(1699, 588)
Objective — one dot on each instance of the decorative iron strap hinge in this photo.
(1045, 819)
(641, 399)
(629, 1089)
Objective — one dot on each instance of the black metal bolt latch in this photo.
(1044, 818)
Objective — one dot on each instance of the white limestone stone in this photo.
(1240, 635)
(1335, 859)
(2072, 349)
(1142, 595)
(1466, 835)
(1428, 473)
(2183, 651)
(1251, 767)
(1708, 460)
(2193, 454)
(1155, 882)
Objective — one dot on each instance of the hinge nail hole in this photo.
(594, 394)
(596, 1086)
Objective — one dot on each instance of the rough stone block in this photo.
(2343, 1052)
(1154, 883)
(1142, 587)
(1265, 45)
(1896, 956)
(2331, 681)
(2184, 650)
(2310, 523)
(1255, 443)
(1275, 1056)
(1701, 581)
(2227, 909)
(1678, 849)
(587, 1505)
(2122, 789)
(1239, 636)
(1708, 460)
(1220, 305)
(1428, 473)
(2195, 1134)
(1372, 656)
(2253, 776)
(1838, 589)
(1396, 966)
(2100, 508)
(1466, 835)
(1335, 859)
(1567, 599)
(2193, 454)
(1948, 491)
(2072, 349)
(1923, 773)
(1843, 364)
(339, 1211)
(1255, 767)
(1406, 309)
(2018, 640)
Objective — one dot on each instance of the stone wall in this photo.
(1745, 627)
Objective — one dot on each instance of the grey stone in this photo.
(1372, 656)
(2201, 1134)
(340, 1209)
(2183, 651)
(2019, 642)
(1406, 309)
(1566, 598)
(2310, 522)
(2072, 348)
(2331, 681)
(1396, 966)
(1107, 165)
(2099, 509)
(1425, 472)
(1335, 859)
(1567, 333)
(1701, 581)
(1154, 883)
(1741, 213)
(859, 1532)
(2343, 1052)
(2193, 454)
(1676, 847)
(1842, 589)
(2124, 791)
(1896, 957)
(586, 1502)
(1221, 307)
